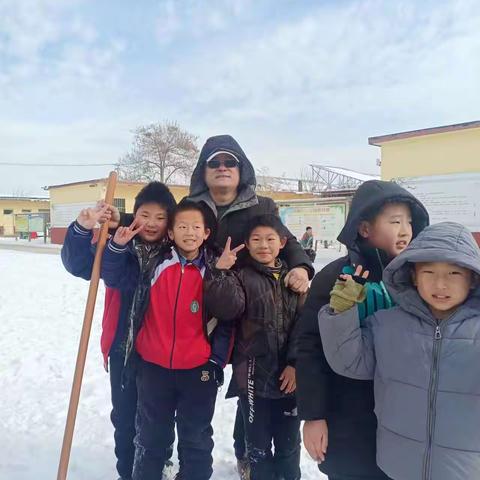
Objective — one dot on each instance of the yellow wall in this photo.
(8, 221)
(438, 154)
(82, 193)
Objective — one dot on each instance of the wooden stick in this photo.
(84, 338)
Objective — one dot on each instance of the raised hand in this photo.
(229, 256)
(89, 217)
(359, 274)
(124, 234)
(288, 380)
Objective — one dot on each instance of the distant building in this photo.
(68, 199)
(440, 166)
(12, 205)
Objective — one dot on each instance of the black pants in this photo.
(239, 441)
(124, 403)
(276, 420)
(186, 397)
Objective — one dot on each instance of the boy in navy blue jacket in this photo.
(178, 360)
(152, 206)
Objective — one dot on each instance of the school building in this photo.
(13, 207)
(68, 199)
(440, 166)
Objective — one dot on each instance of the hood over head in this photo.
(370, 198)
(217, 144)
(443, 242)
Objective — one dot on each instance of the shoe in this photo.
(243, 469)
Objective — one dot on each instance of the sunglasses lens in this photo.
(213, 163)
(228, 163)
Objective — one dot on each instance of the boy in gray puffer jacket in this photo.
(423, 355)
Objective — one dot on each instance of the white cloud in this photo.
(344, 61)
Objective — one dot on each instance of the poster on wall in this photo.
(326, 220)
(453, 197)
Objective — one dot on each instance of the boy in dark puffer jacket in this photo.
(383, 219)
(264, 355)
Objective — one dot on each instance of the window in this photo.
(120, 204)
(24, 210)
(7, 211)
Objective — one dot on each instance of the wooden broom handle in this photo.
(84, 338)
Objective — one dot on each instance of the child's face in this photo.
(443, 286)
(391, 230)
(264, 245)
(154, 217)
(189, 232)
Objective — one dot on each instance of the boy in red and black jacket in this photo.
(153, 205)
(178, 351)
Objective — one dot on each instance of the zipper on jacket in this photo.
(175, 315)
(432, 401)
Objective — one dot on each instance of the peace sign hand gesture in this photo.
(124, 234)
(89, 217)
(229, 256)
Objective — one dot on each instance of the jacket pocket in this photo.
(404, 410)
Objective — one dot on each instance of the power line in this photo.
(57, 164)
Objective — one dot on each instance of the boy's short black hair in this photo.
(155, 192)
(267, 220)
(186, 205)
(308, 228)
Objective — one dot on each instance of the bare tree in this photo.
(159, 152)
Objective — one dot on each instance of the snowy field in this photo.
(41, 310)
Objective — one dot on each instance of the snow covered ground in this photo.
(41, 311)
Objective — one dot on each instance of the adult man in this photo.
(224, 179)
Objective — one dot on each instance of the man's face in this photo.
(443, 286)
(218, 175)
(391, 230)
(264, 245)
(154, 217)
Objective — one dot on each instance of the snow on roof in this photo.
(363, 177)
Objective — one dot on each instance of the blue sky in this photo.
(296, 82)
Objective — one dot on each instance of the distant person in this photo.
(307, 243)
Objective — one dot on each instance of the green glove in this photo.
(345, 294)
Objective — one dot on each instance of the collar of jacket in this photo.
(199, 261)
(372, 259)
(264, 270)
(245, 199)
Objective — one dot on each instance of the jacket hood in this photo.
(224, 143)
(370, 197)
(443, 242)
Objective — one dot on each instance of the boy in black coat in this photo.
(338, 411)
(264, 354)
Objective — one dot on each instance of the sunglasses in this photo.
(228, 163)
